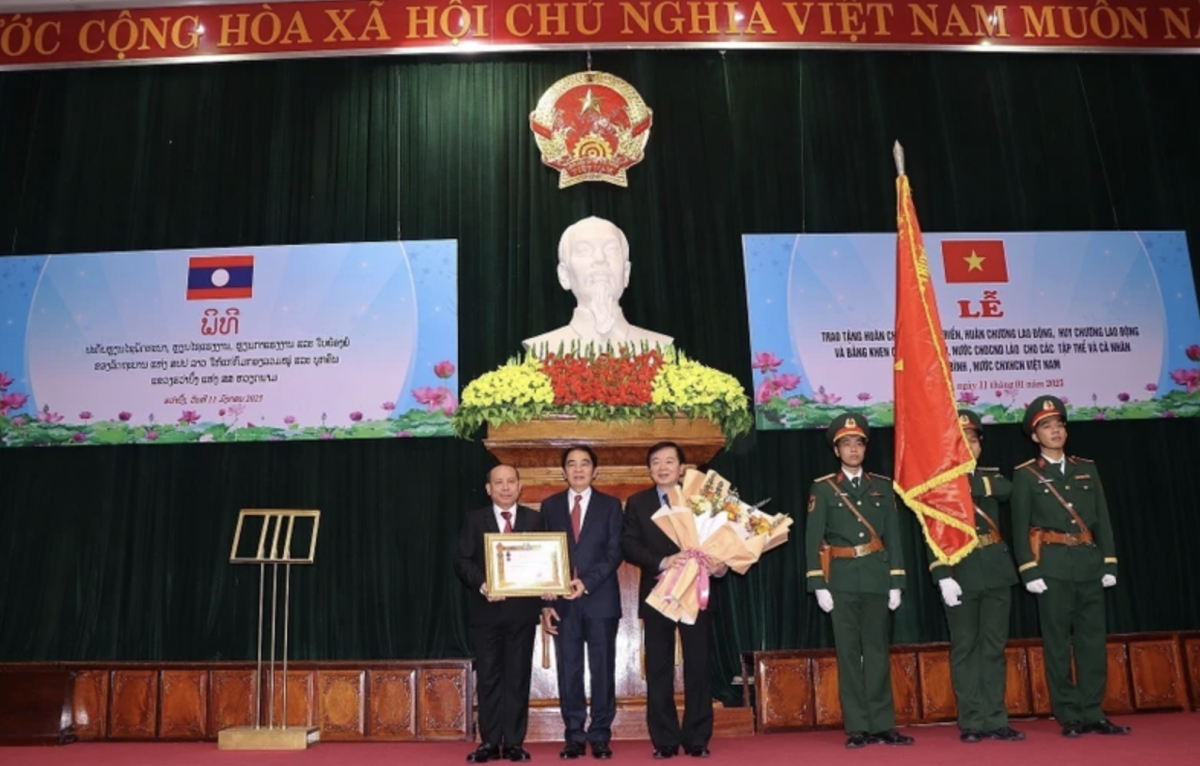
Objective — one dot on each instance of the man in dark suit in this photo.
(649, 548)
(590, 615)
(502, 630)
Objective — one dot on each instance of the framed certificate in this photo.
(527, 563)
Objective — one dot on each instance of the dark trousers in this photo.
(662, 718)
(578, 633)
(503, 669)
(978, 672)
(1072, 614)
(860, 635)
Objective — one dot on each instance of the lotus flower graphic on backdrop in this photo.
(1189, 379)
(444, 369)
(46, 416)
(787, 381)
(825, 398)
(389, 406)
(356, 416)
(189, 417)
(1193, 352)
(765, 391)
(968, 398)
(12, 401)
(766, 361)
(5, 381)
(439, 398)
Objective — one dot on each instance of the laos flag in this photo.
(220, 277)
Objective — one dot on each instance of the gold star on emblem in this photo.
(974, 262)
(590, 103)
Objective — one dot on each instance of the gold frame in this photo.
(274, 522)
(494, 543)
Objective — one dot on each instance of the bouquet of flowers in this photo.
(710, 524)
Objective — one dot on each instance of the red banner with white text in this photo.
(192, 32)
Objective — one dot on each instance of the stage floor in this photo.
(1157, 738)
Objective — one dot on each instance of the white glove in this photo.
(894, 599)
(951, 591)
(825, 600)
(1036, 586)
(1108, 580)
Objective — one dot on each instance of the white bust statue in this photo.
(593, 263)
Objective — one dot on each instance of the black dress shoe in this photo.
(1005, 733)
(484, 753)
(893, 737)
(664, 752)
(572, 750)
(516, 754)
(1072, 729)
(970, 736)
(601, 750)
(1104, 726)
(698, 751)
(856, 740)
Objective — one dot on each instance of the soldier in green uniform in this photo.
(1065, 555)
(977, 592)
(852, 535)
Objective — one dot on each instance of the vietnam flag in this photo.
(932, 457)
(974, 260)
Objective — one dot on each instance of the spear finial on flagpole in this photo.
(898, 156)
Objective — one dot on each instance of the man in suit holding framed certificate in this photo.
(502, 630)
(589, 617)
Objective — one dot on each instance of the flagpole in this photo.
(898, 156)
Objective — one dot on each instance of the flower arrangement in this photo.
(711, 526)
(604, 384)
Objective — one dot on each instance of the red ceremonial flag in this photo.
(932, 456)
(974, 260)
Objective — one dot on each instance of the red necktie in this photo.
(577, 516)
(507, 523)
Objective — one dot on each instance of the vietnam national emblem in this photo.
(591, 126)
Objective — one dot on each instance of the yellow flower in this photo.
(686, 384)
(513, 384)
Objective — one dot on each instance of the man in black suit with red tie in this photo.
(590, 615)
(649, 548)
(502, 630)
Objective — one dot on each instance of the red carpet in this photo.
(1162, 738)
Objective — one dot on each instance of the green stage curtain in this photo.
(121, 553)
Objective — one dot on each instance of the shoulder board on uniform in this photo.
(1077, 459)
(888, 479)
(820, 479)
(987, 469)
(1030, 461)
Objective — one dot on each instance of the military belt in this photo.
(1065, 538)
(989, 539)
(855, 551)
